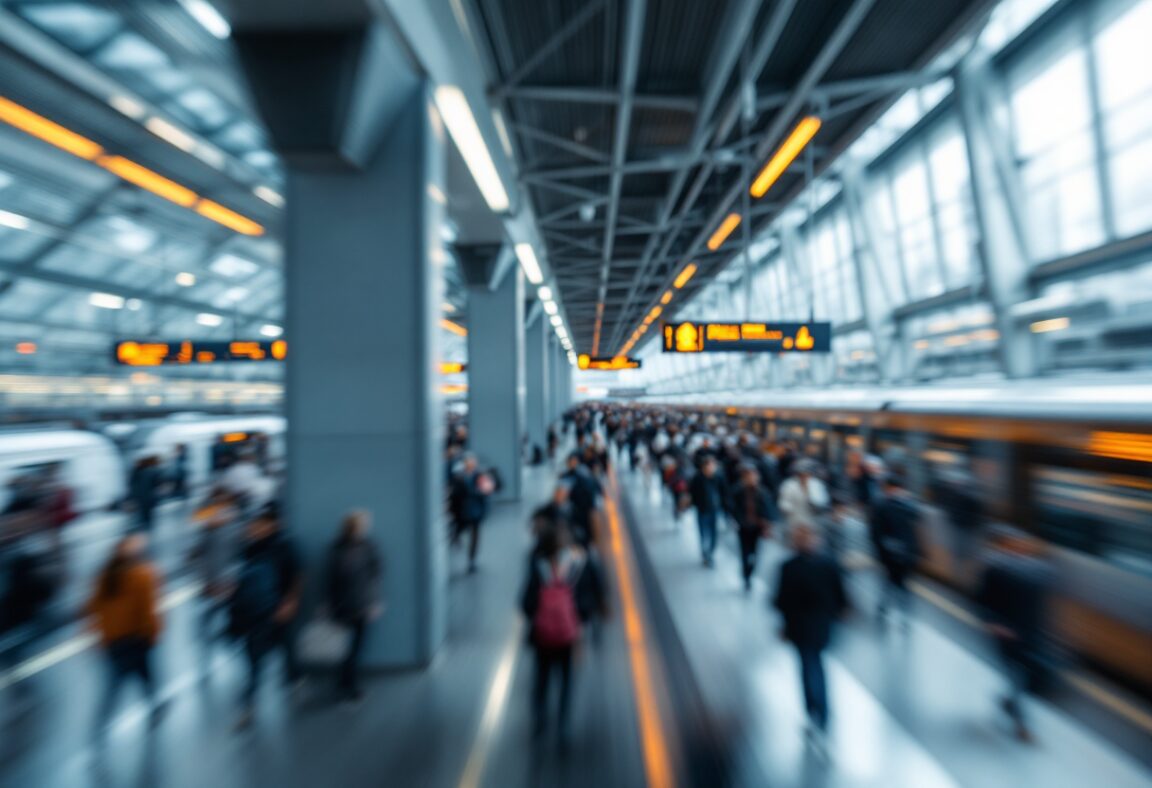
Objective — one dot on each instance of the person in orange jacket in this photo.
(125, 614)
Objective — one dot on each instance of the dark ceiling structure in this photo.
(638, 124)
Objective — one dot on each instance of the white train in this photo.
(95, 464)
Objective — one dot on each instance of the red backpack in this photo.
(556, 623)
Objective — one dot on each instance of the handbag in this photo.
(323, 642)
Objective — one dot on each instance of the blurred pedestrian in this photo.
(709, 497)
(1013, 593)
(754, 513)
(354, 600)
(144, 491)
(125, 614)
(810, 596)
(180, 472)
(216, 549)
(803, 496)
(263, 607)
(564, 589)
(894, 533)
(468, 501)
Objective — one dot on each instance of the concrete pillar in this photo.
(496, 389)
(362, 146)
(536, 374)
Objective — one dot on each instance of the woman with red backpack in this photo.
(564, 589)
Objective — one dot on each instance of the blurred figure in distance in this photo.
(124, 612)
(893, 529)
(710, 499)
(263, 607)
(810, 596)
(1013, 592)
(353, 589)
(144, 491)
(803, 497)
(754, 513)
(468, 501)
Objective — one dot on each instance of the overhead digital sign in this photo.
(606, 363)
(150, 353)
(747, 337)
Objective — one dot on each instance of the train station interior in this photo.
(532, 393)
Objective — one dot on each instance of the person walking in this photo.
(124, 613)
(264, 605)
(353, 588)
(810, 596)
(469, 505)
(893, 531)
(754, 513)
(803, 497)
(563, 590)
(144, 491)
(708, 496)
(1013, 593)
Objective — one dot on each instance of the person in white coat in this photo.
(804, 497)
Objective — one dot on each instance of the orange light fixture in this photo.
(666, 298)
(26, 348)
(730, 223)
(688, 272)
(786, 154)
(148, 180)
(655, 313)
(279, 349)
(229, 218)
(53, 133)
(451, 367)
(454, 328)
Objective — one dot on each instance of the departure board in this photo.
(747, 337)
(151, 353)
(606, 363)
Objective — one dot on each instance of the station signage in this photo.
(606, 363)
(150, 353)
(747, 337)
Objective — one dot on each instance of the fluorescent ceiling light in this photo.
(269, 195)
(730, 223)
(134, 304)
(550, 307)
(233, 267)
(126, 105)
(457, 115)
(209, 319)
(208, 17)
(53, 133)
(557, 320)
(785, 155)
(148, 180)
(1055, 324)
(529, 263)
(502, 130)
(270, 330)
(106, 301)
(234, 294)
(171, 133)
(545, 293)
(185, 279)
(229, 218)
(448, 308)
(14, 220)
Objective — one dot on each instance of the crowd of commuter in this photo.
(254, 585)
(780, 491)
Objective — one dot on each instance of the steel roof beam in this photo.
(576, 94)
(562, 143)
(629, 70)
(801, 95)
(558, 39)
(724, 57)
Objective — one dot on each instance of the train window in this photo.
(1106, 515)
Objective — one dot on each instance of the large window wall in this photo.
(888, 245)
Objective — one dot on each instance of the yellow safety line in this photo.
(652, 735)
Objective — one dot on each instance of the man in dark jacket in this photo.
(469, 503)
(1013, 593)
(893, 531)
(810, 596)
(354, 570)
(754, 513)
(709, 497)
(265, 602)
(144, 491)
(584, 495)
